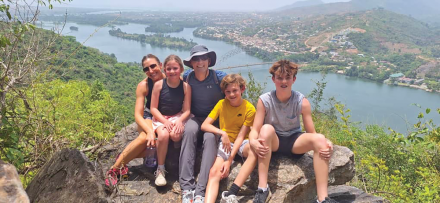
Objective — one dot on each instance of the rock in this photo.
(348, 194)
(291, 180)
(11, 189)
(68, 177)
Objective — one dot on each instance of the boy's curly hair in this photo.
(230, 79)
(284, 66)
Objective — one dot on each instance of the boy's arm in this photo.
(306, 112)
(256, 144)
(238, 141)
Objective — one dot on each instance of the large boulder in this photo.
(291, 180)
(349, 194)
(11, 189)
(68, 176)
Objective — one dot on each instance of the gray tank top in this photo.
(284, 117)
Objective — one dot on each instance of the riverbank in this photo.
(159, 40)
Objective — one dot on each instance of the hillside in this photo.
(300, 4)
(425, 10)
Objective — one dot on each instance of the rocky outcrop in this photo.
(291, 180)
(348, 194)
(68, 176)
(11, 189)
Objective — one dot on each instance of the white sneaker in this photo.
(228, 199)
(199, 199)
(160, 177)
(187, 196)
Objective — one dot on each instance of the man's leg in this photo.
(208, 157)
(267, 133)
(188, 154)
(315, 142)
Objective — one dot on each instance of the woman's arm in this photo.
(141, 92)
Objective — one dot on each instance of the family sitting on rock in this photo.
(207, 104)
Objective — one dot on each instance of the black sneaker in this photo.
(329, 200)
(262, 197)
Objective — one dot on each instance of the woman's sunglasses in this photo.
(152, 66)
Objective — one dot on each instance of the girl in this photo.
(170, 106)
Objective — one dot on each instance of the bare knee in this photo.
(214, 173)
(319, 142)
(267, 132)
(162, 136)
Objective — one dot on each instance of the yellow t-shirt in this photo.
(233, 118)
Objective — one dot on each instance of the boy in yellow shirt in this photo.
(235, 115)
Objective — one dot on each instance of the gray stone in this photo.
(68, 177)
(349, 194)
(291, 180)
(11, 189)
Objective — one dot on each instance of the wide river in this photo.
(369, 102)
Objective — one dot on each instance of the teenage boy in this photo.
(277, 128)
(236, 116)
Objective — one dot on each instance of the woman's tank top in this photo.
(150, 85)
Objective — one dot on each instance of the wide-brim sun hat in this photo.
(199, 50)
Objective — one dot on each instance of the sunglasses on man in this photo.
(200, 58)
(152, 66)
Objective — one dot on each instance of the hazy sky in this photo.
(187, 5)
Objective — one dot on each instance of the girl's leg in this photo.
(214, 180)
(136, 149)
(162, 144)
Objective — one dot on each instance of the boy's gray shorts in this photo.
(224, 155)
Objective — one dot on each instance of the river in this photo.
(369, 102)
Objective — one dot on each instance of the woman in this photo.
(137, 148)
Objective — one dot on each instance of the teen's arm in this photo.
(144, 124)
(310, 128)
(178, 125)
(306, 113)
(155, 104)
(256, 144)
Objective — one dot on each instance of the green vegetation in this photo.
(400, 168)
(159, 40)
(163, 28)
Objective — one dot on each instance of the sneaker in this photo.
(262, 197)
(111, 178)
(187, 196)
(160, 177)
(329, 200)
(228, 199)
(199, 199)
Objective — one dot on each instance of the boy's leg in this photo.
(163, 137)
(188, 154)
(315, 142)
(214, 180)
(267, 133)
(208, 157)
(133, 150)
(247, 167)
